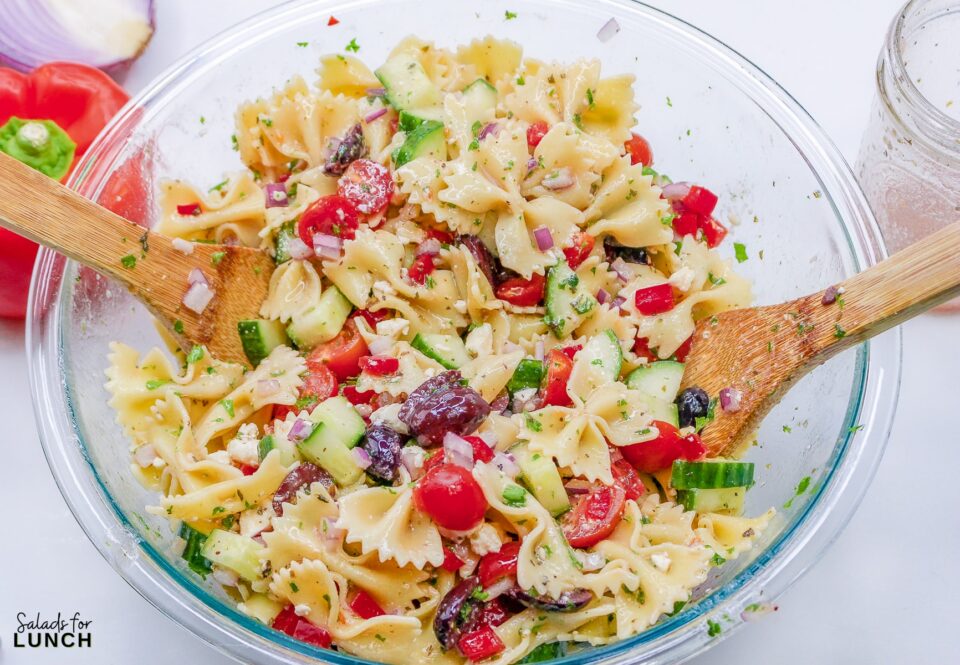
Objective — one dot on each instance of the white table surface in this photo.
(883, 593)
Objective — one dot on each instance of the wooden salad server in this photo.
(147, 263)
(760, 352)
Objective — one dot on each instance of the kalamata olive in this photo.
(454, 611)
(303, 475)
(350, 149)
(442, 405)
(383, 445)
(629, 254)
(485, 260)
(692, 403)
(568, 601)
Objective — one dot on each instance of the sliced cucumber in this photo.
(238, 553)
(193, 551)
(542, 478)
(340, 419)
(567, 301)
(598, 364)
(711, 474)
(448, 350)
(322, 322)
(262, 608)
(726, 500)
(660, 379)
(259, 337)
(407, 84)
(427, 140)
(529, 374)
(409, 122)
(664, 411)
(545, 652)
(287, 232)
(266, 444)
(339, 428)
(480, 101)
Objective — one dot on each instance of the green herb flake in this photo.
(787, 429)
(218, 509)
(228, 407)
(234, 142)
(128, 261)
(303, 44)
(153, 384)
(717, 560)
(532, 423)
(515, 496)
(294, 587)
(716, 281)
(591, 102)
(740, 251)
(702, 421)
(509, 15)
(196, 353)
(217, 257)
(669, 102)
(353, 47)
(838, 331)
(178, 327)
(713, 628)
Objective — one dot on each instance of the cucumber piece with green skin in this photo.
(711, 474)
(193, 550)
(322, 322)
(259, 337)
(542, 478)
(667, 412)
(265, 445)
(286, 449)
(545, 652)
(338, 429)
(727, 500)
(262, 608)
(448, 350)
(529, 374)
(660, 379)
(287, 232)
(480, 102)
(427, 140)
(407, 84)
(597, 364)
(238, 553)
(341, 420)
(567, 301)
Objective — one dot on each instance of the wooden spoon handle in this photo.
(911, 281)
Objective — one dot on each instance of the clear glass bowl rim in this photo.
(854, 461)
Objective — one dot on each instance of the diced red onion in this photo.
(185, 247)
(380, 346)
(488, 129)
(609, 30)
(830, 295)
(730, 399)
(526, 400)
(145, 455)
(500, 587)
(332, 534)
(622, 268)
(532, 164)
(196, 276)
(458, 450)
(412, 458)
(538, 350)
(327, 246)
(299, 431)
(197, 297)
(676, 190)
(618, 302)
(374, 115)
(365, 410)
(543, 237)
(507, 463)
(276, 195)
(602, 296)
(297, 249)
(266, 388)
(578, 486)
(361, 457)
(376, 92)
(560, 179)
(430, 246)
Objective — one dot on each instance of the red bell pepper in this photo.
(79, 100)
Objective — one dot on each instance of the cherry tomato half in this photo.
(659, 453)
(379, 365)
(580, 247)
(331, 215)
(497, 565)
(480, 644)
(451, 562)
(536, 132)
(341, 354)
(422, 266)
(559, 367)
(523, 292)
(481, 451)
(451, 497)
(595, 516)
(713, 231)
(367, 185)
(364, 606)
(299, 628)
(318, 384)
(625, 476)
(639, 149)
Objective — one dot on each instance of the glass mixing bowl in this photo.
(711, 116)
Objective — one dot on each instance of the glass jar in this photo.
(909, 163)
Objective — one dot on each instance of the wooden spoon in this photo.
(39, 208)
(763, 351)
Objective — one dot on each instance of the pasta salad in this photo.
(463, 436)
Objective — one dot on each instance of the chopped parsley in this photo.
(838, 331)
(294, 587)
(196, 353)
(713, 628)
(740, 251)
(591, 103)
(515, 496)
(533, 424)
(509, 15)
(153, 384)
(218, 509)
(128, 261)
(228, 407)
(702, 421)
(716, 281)
(353, 47)
(217, 257)
(178, 327)
(717, 560)
(302, 44)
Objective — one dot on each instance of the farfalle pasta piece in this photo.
(488, 375)
(491, 59)
(236, 210)
(729, 535)
(628, 207)
(372, 258)
(294, 288)
(524, 632)
(475, 289)
(611, 109)
(346, 75)
(415, 368)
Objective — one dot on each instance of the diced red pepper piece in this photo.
(445, 237)
(523, 292)
(355, 396)
(641, 347)
(364, 606)
(654, 299)
(580, 247)
(421, 267)
(299, 628)
(495, 566)
(686, 224)
(333, 20)
(481, 451)
(683, 350)
(700, 200)
(481, 643)
(536, 132)
(451, 562)
(639, 149)
(372, 318)
(189, 209)
(713, 231)
(379, 365)
(248, 470)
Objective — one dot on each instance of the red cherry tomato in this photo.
(700, 200)
(248, 470)
(481, 451)
(595, 516)
(318, 384)
(445, 237)
(451, 497)
(654, 299)
(523, 292)
(713, 231)
(341, 354)
(421, 267)
(559, 366)
(355, 396)
(479, 644)
(364, 606)
(379, 365)
(641, 347)
(372, 318)
(686, 224)
(435, 460)
(572, 351)
(659, 453)
(536, 132)
(495, 566)
(331, 215)
(579, 249)
(625, 477)
(683, 350)
(367, 185)
(299, 628)
(451, 562)
(492, 613)
(639, 149)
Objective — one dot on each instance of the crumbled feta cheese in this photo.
(158, 463)
(661, 561)
(225, 576)
(383, 289)
(220, 457)
(460, 306)
(393, 328)
(485, 540)
(389, 415)
(683, 278)
(243, 447)
(479, 341)
(301, 610)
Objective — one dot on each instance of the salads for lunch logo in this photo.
(36, 632)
